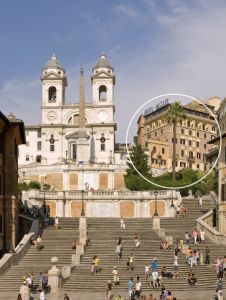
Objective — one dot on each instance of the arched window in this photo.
(102, 142)
(52, 94)
(74, 120)
(102, 93)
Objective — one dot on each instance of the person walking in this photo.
(147, 271)
(202, 236)
(130, 262)
(109, 289)
(119, 248)
(219, 289)
(93, 269)
(207, 250)
(56, 222)
(155, 279)
(42, 295)
(122, 223)
(97, 262)
(130, 287)
(115, 276)
(24, 291)
(175, 267)
(154, 264)
(138, 287)
(66, 297)
(136, 241)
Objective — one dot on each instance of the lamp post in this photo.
(82, 212)
(156, 211)
(44, 195)
(172, 204)
(23, 175)
(66, 156)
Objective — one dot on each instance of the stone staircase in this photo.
(56, 243)
(103, 233)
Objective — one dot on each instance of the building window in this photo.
(51, 148)
(102, 93)
(204, 135)
(173, 140)
(190, 154)
(182, 130)
(203, 127)
(190, 165)
(204, 146)
(27, 157)
(52, 94)
(197, 134)
(197, 144)
(197, 166)
(155, 133)
(161, 131)
(182, 141)
(198, 155)
(163, 150)
(39, 133)
(189, 123)
(39, 145)
(190, 132)
(74, 151)
(102, 142)
(189, 143)
(213, 128)
(38, 158)
(182, 152)
(182, 164)
(154, 149)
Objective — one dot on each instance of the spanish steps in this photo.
(103, 234)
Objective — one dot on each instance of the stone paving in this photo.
(195, 294)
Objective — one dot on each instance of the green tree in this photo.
(133, 180)
(175, 114)
(140, 161)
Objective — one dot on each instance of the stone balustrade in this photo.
(107, 203)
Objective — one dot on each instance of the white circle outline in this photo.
(162, 186)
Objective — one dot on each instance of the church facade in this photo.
(74, 146)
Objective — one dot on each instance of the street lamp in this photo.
(44, 195)
(172, 204)
(82, 212)
(156, 211)
(66, 157)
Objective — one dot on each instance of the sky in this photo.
(155, 47)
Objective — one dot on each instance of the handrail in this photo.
(10, 259)
(210, 231)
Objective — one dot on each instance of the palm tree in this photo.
(175, 114)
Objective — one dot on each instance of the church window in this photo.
(52, 94)
(102, 142)
(27, 157)
(52, 141)
(102, 93)
(74, 120)
(52, 148)
(39, 145)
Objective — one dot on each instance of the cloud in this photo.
(127, 11)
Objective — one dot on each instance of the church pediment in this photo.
(72, 136)
(80, 133)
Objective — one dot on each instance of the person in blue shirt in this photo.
(154, 264)
(130, 286)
